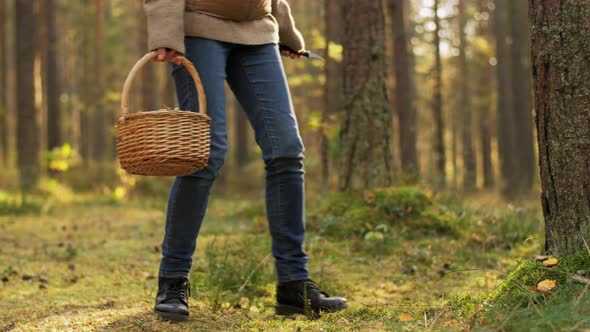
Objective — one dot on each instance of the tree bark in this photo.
(522, 106)
(437, 107)
(3, 87)
(147, 82)
(560, 35)
(485, 93)
(100, 129)
(468, 151)
(27, 126)
(506, 125)
(403, 89)
(333, 85)
(54, 116)
(366, 157)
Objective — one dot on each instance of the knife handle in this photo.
(290, 50)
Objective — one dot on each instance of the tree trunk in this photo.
(3, 87)
(147, 75)
(506, 125)
(469, 162)
(332, 87)
(522, 102)
(87, 91)
(101, 135)
(366, 130)
(27, 126)
(54, 118)
(403, 89)
(561, 71)
(485, 92)
(437, 105)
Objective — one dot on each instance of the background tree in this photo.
(404, 105)
(437, 105)
(3, 86)
(485, 88)
(469, 161)
(54, 116)
(365, 160)
(561, 69)
(100, 134)
(27, 127)
(506, 125)
(522, 101)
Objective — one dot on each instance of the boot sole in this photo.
(171, 316)
(288, 310)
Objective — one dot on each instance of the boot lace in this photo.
(311, 287)
(180, 290)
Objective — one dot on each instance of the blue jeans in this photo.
(256, 76)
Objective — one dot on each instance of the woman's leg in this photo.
(256, 75)
(189, 195)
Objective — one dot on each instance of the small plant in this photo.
(61, 159)
(234, 270)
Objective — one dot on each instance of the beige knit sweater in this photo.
(247, 22)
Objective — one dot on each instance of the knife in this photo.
(307, 54)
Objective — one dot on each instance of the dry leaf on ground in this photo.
(405, 318)
(546, 286)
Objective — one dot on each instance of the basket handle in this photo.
(146, 58)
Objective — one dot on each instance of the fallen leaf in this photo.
(551, 261)
(405, 317)
(546, 286)
(453, 323)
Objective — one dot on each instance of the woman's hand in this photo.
(165, 55)
(291, 55)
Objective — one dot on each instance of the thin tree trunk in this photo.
(27, 127)
(561, 70)
(3, 87)
(469, 162)
(100, 130)
(86, 113)
(403, 89)
(147, 83)
(506, 125)
(522, 103)
(54, 117)
(485, 93)
(366, 130)
(438, 140)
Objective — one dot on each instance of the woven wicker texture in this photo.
(165, 142)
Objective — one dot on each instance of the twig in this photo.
(241, 289)
(585, 243)
(581, 295)
(579, 278)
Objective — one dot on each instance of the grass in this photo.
(405, 260)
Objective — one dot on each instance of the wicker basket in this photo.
(165, 142)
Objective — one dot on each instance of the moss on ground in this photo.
(405, 260)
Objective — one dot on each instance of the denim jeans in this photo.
(256, 76)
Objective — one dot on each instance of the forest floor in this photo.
(90, 264)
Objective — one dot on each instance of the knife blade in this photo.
(305, 53)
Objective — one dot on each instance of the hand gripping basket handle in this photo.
(146, 58)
